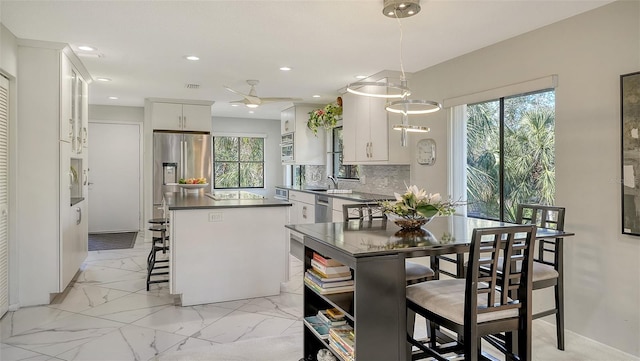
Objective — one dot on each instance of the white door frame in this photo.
(140, 163)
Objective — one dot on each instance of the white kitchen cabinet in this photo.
(288, 120)
(302, 207)
(368, 137)
(337, 214)
(52, 245)
(308, 148)
(74, 105)
(180, 116)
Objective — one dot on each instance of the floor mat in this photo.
(106, 241)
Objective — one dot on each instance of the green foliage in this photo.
(529, 154)
(416, 203)
(326, 117)
(238, 162)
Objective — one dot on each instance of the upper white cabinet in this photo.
(368, 137)
(52, 87)
(181, 116)
(74, 118)
(288, 120)
(308, 148)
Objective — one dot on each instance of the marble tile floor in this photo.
(107, 314)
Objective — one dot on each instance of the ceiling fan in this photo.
(251, 100)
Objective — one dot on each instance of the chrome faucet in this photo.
(334, 180)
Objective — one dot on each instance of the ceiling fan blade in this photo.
(249, 99)
(234, 91)
(274, 100)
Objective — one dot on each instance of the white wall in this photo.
(273, 174)
(116, 113)
(588, 52)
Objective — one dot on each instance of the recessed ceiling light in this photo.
(252, 105)
(113, 98)
(361, 76)
(251, 112)
(192, 57)
(285, 68)
(103, 79)
(87, 48)
(235, 105)
(316, 96)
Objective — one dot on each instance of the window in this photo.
(238, 162)
(340, 170)
(510, 155)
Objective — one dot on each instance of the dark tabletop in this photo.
(441, 235)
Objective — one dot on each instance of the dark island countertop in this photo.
(354, 196)
(442, 235)
(184, 201)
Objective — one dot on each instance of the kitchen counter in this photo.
(354, 196)
(184, 201)
(226, 249)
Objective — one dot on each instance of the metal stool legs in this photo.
(153, 264)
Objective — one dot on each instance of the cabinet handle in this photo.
(84, 175)
(85, 135)
(286, 125)
(304, 212)
(70, 128)
(184, 122)
(78, 215)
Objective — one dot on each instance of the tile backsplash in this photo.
(377, 179)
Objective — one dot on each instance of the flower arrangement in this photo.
(416, 204)
(326, 117)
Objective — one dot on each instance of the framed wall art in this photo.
(630, 129)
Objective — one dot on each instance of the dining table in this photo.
(376, 251)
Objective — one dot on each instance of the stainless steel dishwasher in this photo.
(323, 208)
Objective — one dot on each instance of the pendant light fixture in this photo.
(398, 9)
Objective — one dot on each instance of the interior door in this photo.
(114, 177)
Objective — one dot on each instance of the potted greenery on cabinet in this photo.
(326, 117)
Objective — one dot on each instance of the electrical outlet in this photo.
(215, 217)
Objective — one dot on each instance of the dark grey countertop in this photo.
(440, 236)
(354, 196)
(182, 201)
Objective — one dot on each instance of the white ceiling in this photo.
(143, 43)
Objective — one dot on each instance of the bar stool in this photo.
(158, 244)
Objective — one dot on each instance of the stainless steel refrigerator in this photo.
(179, 155)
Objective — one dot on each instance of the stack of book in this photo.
(325, 320)
(342, 342)
(328, 276)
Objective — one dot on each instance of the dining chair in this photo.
(414, 272)
(547, 261)
(480, 304)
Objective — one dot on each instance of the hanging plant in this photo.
(326, 117)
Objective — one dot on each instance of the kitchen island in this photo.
(225, 247)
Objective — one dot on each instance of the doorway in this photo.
(115, 182)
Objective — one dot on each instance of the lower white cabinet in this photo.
(337, 209)
(302, 207)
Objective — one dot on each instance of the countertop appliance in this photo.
(180, 155)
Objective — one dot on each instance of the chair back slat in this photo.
(552, 217)
(362, 211)
(489, 283)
